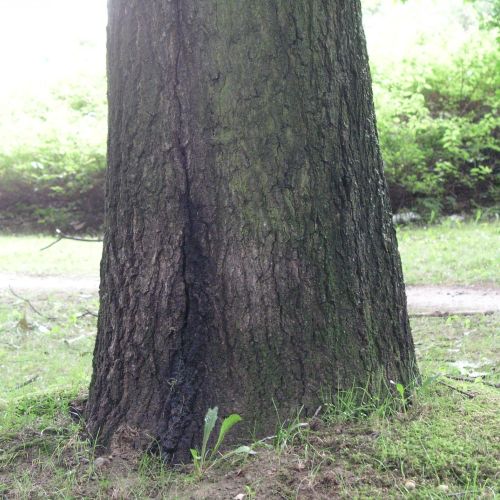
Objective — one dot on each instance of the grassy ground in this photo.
(40, 354)
(447, 253)
(23, 254)
(451, 253)
(446, 444)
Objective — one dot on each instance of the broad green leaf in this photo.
(226, 426)
(210, 420)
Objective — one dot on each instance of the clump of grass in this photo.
(357, 403)
(346, 405)
(289, 433)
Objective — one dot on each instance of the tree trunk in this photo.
(249, 258)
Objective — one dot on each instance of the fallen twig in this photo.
(61, 236)
(28, 382)
(472, 380)
(88, 313)
(33, 308)
(465, 393)
(316, 413)
(23, 446)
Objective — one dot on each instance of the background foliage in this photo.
(437, 93)
(52, 114)
(437, 100)
(53, 174)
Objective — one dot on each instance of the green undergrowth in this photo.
(443, 441)
(451, 252)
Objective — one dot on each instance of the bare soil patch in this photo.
(453, 299)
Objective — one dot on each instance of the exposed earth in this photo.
(426, 299)
(422, 299)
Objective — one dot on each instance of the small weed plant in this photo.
(400, 388)
(205, 458)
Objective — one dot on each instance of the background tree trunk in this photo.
(249, 254)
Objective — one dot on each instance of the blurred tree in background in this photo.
(436, 78)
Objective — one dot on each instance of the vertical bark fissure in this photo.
(180, 401)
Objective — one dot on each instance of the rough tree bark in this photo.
(249, 255)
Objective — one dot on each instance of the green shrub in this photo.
(439, 127)
(52, 160)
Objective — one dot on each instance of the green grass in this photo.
(49, 353)
(451, 253)
(445, 439)
(461, 346)
(23, 254)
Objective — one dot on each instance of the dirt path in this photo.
(421, 299)
(453, 299)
